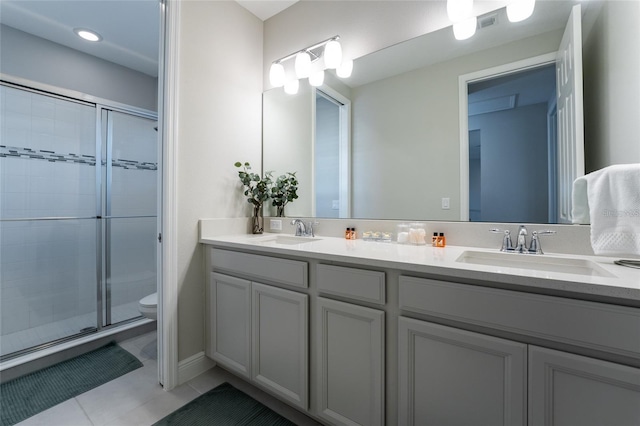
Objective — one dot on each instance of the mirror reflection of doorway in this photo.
(509, 146)
(331, 155)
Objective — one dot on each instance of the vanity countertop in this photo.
(608, 280)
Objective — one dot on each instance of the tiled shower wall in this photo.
(47, 169)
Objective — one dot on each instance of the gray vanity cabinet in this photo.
(280, 342)
(350, 386)
(230, 323)
(449, 376)
(568, 389)
(261, 331)
(350, 346)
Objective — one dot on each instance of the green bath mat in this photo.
(28, 395)
(224, 406)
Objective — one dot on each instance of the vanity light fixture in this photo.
(276, 74)
(291, 87)
(463, 30)
(311, 62)
(520, 10)
(332, 54)
(459, 10)
(345, 69)
(303, 64)
(88, 35)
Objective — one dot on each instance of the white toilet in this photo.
(148, 306)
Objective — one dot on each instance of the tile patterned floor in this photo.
(137, 399)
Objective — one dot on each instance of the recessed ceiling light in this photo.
(87, 34)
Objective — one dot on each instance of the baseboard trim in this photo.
(193, 367)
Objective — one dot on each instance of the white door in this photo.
(570, 112)
(230, 323)
(280, 343)
(350, 364)
(568, 389)
(448, 376)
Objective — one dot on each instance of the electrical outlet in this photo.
(335, 204)
(275, 224)
(445, 203)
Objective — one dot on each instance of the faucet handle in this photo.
(311, 226)
(507, 244)
(535, 246)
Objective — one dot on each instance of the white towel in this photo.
(609, 199)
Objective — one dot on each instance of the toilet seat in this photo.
(148, 306)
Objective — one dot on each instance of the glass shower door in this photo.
(48, 223)
(130, 213)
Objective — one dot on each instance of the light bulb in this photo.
(317, 78)
(88, 35)
(520, 10)
(303, 65)
(291, 87)
(332, 54)
(465, 29)
(276, 75)
(345, 69)
(458, 10)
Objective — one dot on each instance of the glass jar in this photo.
(402, 233)
(417, 234)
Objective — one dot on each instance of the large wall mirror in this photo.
(406, 161)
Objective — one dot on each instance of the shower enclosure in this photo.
(78, 216)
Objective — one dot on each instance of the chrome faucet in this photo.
(521, 244)
(304, 229)
(301, 228)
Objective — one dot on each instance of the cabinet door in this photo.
(449, 376)
(567, 389)
(350, 388)
(230, 323)
(280, 343)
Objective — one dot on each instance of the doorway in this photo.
(509, 146)
(331, 154)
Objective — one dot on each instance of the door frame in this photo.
(168, 131)
(463, 99)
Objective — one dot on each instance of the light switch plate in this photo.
(445, 203)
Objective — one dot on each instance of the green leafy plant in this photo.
(256, 189)
(284, 189)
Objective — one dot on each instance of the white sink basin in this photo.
(286, 240)
(535, 262)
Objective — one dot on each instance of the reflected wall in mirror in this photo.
(406, 155)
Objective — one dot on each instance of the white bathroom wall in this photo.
(36, 59)
(612, 86)
(219, 123)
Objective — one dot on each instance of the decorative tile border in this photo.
(52, 156)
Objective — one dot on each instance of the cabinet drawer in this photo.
(265, 268)
(599, 326)
(358, 284)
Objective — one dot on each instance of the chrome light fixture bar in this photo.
(307, 65)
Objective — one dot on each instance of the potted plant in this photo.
(283, 191)
(257, 191)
